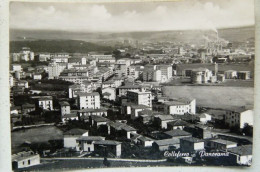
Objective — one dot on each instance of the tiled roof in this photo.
(177, 132)
(241, 150)
(75, 131)
(91, 138)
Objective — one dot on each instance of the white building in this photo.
(166, 71)
(123, 89)
(239, 117)
(86, 143)
(180, 107)
(25, 159)
(191, 144)
(71, 136)
(109, 93)
(230, 74)
(37, 76)
(54, 69)
(140, 97)
(16, 67)
(88, 100)
(201, 75)
(45, 103)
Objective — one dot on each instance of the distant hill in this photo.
(52, 46)
(230, 34)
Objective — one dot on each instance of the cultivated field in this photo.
(213, 96)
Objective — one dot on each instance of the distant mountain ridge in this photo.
(230, 34)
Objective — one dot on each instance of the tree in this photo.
(248, 130)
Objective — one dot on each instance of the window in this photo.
(29, 162)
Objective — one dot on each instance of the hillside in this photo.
(230, 34)
(52, 46)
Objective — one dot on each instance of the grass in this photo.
(213, 96)
(36, 135)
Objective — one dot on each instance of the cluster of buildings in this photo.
(103, 88)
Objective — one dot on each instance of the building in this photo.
(191, 144)
(137, 108)
(16, 67)
(244, 75)
(140, 97)
(86, 113)
(109, 93)
(177, 133)
(64, 108)
(123, 89)
(70, 137)
(54, 70)
(239, 117)
(201, 75)
(230, 74)
(203, 118)
(166, 72)
(177, 124)
(37, 76)
(241, 155)
(103, 147)
(86, 143)
(45, 103)
(166, 144)
(221, 144)
(180, 106)
(88, 100)
(162, 120)
(25, 159)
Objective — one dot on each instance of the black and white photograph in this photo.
(131, 84)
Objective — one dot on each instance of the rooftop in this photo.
(241, 150)
(107, 142)
(90, 138)
(225, 142)
(192, 139)
(81, 94)
(165, 142)
(177, 132)
(75, 131)
(165, 117)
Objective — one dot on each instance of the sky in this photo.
(132, 16)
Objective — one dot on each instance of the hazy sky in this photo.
(151, 16)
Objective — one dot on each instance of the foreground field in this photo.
(36, 135)
(213, 96)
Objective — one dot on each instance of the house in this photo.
(108, 147)
(244, 75)
(203, 118)
(177, 124)
(64, 108)
(162, 120)
(176, 133)
(70, 137)
(96, 121)
(230, 74)
(25, 159)
(239, 117)
(110, 83)
(70, 116)
(180, 106)
(166, 144)
(88, 100)
(85, 113)
(45, 103)
(141, 140)
(140, 97)
(37, 76)
(86, 143)
(147, 115)
(109, 93)
(119, 129)
(220, 144)
(23, 83)
(137, 108)
(123, 89)
(241, 155)
(191, 144)
(201, 75)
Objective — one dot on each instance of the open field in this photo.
(36, 135)
(213, 96)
